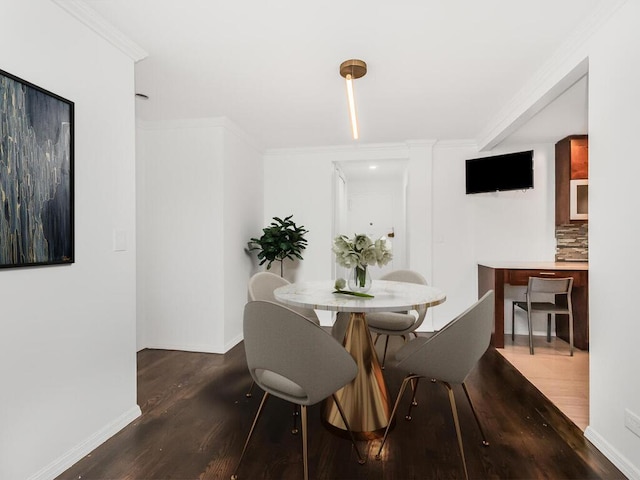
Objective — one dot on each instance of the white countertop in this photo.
(388, 296)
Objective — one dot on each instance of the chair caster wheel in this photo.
(248, 395)
(234, 477)
(294, 431)
(362, 461)
(407, 418)
(485, 443)
(414, 403)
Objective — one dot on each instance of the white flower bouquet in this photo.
(359, 252)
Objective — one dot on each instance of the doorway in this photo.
(371, 198)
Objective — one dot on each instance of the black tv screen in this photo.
(512, 171)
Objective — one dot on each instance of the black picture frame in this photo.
(36, 175)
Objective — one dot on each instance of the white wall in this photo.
(614, 229)
(242, 213)
(67, 341)
(309, 196)
(200, 201)
(500, 226)
(448, 230)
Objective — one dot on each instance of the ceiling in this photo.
(437, 69)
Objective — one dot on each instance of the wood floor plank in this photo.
(196, 417)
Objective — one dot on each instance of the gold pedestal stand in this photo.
(365, 400)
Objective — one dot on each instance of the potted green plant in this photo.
(280, 239)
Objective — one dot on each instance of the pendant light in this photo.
(350, 70)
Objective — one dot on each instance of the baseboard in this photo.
(624, 465)
(233, 342)
(67, 460)
(198, 348)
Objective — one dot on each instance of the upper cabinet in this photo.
(572, 179)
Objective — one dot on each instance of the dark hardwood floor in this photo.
(196, 417)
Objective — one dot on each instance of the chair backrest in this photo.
(453, 351)
(261, 287)
(292, 358)
(408, 276)
(558, 286)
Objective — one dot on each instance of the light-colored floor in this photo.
(561, 378)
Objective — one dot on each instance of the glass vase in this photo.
(359, 279)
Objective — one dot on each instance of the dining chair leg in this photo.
(513, 321)
(548, 327)
(530, 333)
(456, 421)
(234, 476)
(296, 414)
(384, 355)
(485, 442)
(305, 459)
(248, 394)
(361, 460)
(375, 340)
(571, 334)
(414, 387)
(403, 387)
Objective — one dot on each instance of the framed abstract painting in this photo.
(36, 175)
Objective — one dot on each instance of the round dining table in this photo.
(365, 401)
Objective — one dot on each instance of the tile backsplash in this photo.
(572, 242)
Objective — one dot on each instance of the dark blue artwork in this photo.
(36, 175)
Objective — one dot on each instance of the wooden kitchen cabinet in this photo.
(572, 163)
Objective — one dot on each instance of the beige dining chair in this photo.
(295, 360)
(261, 287)
(397, 323)
(448, 357)
(561, 289)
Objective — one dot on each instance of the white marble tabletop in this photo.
(387, 296)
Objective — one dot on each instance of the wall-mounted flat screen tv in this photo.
(511, 171)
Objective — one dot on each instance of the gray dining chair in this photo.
(448, 357)
(397, 323)
(261, 287)
(295, 360)
(561, 289)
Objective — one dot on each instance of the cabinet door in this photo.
(579, 159)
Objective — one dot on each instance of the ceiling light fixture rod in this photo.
(350, 70)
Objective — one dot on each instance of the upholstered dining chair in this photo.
(261, 287)
(448, 356)
(296, 360)
(561, 289)
(397, 323)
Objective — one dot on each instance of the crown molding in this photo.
(565, 67)
(92, 19)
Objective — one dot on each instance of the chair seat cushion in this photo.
(275, 382)
(544, 307)
(391, 321)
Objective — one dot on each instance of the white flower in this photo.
(340, 284)
(361, 251)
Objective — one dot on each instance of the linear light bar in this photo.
(350, 70)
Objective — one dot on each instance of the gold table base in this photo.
(365, 401)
